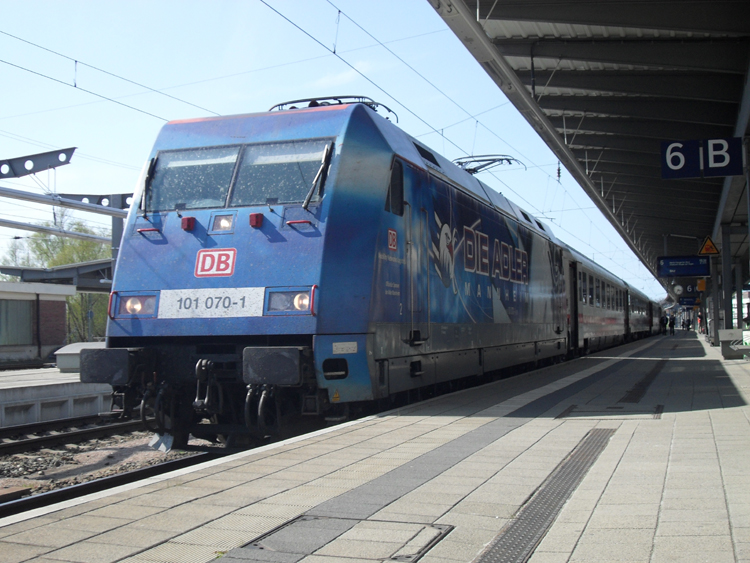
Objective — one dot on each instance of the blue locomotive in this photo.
(295, 262)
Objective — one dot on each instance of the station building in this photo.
(32, 322)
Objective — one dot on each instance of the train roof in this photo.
(418, 153)
(603, 272)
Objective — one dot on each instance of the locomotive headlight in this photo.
(289, 302)
(137, 305)
(133, 305)
(222, 222)
(302, 301)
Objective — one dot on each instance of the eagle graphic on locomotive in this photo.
(291, 263)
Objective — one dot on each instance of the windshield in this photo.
(192, 179)
(267, 174)
(278, 173)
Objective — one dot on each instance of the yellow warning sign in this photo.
(701, 285)
(708, 247)
(336, 397)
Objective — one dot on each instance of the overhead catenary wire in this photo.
(433, 128)
(78, 62)
(52, 78)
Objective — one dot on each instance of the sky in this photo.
(106, 76)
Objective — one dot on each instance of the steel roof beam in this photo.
(57, 201)
(594, 142)
(700, 86)
(619, 157)
(663, 203)
(640, 128)
(54, 231)
(656, 183)
(684, 111)
(695, 205)
(690, 54)
(716, 16)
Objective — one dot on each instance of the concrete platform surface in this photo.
(454, 478)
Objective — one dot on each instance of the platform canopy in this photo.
(605, 82)
(87, 277)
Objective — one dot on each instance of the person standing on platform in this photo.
(671, 325)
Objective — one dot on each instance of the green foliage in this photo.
(42, 250)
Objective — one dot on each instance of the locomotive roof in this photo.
(329, 120)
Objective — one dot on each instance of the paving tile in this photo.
(90, 552)
(683, 528)
(359, 548)
(614, 545)
(473, 522)
(494, 510)
(689, 549)
(698, 516)
(259, 556)
(549, 557)
(50, 536)
(24, 525)
(125, 510)
(17, 552)
(741, 534)
(133, 536)
(326, 559)
(561, 538)
(91, 523)
(180, 553)
(742, 549)
(454, 551)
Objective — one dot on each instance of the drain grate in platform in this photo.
(519, 539)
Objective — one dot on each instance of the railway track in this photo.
(28, 437)
(50, 498)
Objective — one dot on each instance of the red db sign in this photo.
(215, 263)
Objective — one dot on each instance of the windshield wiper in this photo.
(147, 185)
(320, 176)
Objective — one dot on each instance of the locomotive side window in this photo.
(191, 179)
(394, 201)
(280, 173)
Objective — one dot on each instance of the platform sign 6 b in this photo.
(701, 158)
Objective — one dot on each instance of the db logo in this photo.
(214, 263)
(392, 240)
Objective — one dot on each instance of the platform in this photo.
(37, 395)
(639, 453)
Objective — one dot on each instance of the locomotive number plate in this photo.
(211, 303)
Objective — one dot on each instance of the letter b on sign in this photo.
(723, 157)
(215, 262)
